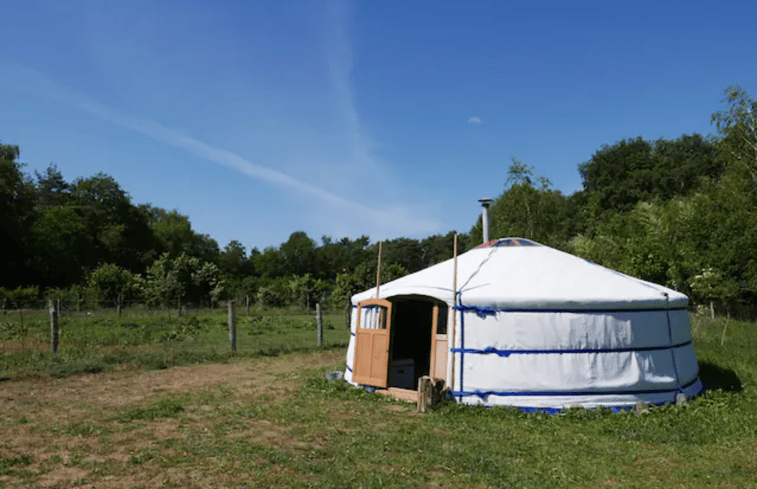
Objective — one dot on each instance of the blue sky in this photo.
(389, 119)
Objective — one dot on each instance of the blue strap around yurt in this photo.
(507, 353)
(462, 341)
(482, 311)
(482, 394)
(486, 311)
(672, 351)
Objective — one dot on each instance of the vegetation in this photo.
(678, 212)
(150, 339)
(268, 421)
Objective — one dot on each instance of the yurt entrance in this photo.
(400, 340)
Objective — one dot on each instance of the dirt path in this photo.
(67, 433)
(122, 389)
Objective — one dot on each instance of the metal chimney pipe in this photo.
(485, 203)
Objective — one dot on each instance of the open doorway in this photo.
(400, 340)
(411, 342)
(416, 322)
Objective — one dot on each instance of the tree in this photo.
(270, 263)
(335, 257)
(298, 254)
(685, 165)
(438, 248)
(118, 232)
(51, 188)
(208, 283)
(184, 278)
(303, 291)
(274, 292)
(175, 235)
(59, 240)
(16, 217)
(173, 231)
(738, 127)
(233, 261)
(634, 170)
(528, 208)
(711, 285)
(114, 283)
(405, 252)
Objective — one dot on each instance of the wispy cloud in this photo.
(340, 64)
(387, 221)
(475, 121)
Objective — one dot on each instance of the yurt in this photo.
(528, 326)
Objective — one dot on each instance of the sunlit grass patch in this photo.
(276, 421)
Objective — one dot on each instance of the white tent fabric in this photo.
(540, 328)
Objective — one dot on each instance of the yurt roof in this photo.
(518, 274)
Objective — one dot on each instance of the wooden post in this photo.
(53, 326)
(378, 273)
(247, 304)
(232, 326)
(178, 314)
(319, 322)
(722, 338)
(429, 392)
(451, 341)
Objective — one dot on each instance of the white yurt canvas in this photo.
(534, 327)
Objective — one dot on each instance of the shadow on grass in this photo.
(715, 377)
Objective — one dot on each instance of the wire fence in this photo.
(42, 339)
(40, 307)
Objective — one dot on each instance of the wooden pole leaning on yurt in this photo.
(451, 342)
(378, 272)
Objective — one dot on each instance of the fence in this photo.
(224, 329)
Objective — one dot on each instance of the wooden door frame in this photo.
(437, 337)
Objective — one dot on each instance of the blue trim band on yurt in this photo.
(672, 353)
(482, 394)
(507, 353)
(462, 350)
(486, 311)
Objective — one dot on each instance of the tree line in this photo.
(679, 212)
(85, 241)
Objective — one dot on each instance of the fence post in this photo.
(319, 322)
(232, 326)
(53, 327)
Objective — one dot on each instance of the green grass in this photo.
(8, 466)
(293, 428)
(103, 341)
(164, 408)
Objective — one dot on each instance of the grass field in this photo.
(153, 340)
(265, 418)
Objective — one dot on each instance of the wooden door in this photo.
(438, 367)
(372, 342)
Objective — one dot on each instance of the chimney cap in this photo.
(485, 202)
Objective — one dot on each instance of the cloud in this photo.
(475, 121)
(387, 221)
(340, 65)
